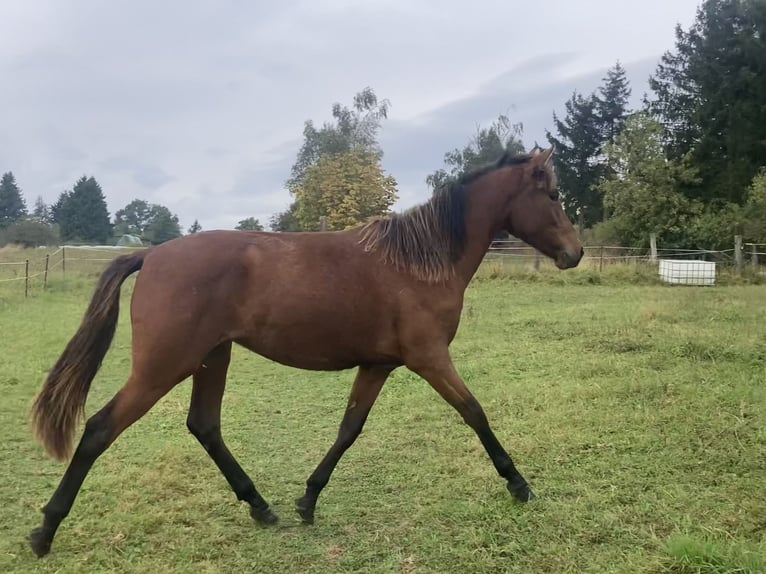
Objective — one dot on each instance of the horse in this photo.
(384, 294)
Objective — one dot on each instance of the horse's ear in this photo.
(546, 156)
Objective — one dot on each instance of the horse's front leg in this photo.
(436, 367)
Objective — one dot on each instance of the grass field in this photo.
(635, 411)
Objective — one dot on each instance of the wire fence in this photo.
(37, 270)
(697, 265)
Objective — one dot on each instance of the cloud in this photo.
(524, 93)
(200, 106)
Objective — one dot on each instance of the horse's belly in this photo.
(316, 350)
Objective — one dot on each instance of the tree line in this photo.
(80, 215)
(687, 165)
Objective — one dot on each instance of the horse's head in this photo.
(534, 213)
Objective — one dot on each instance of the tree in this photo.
(133, 219)
(612, 103)
(29, 233)
(195, 228)
(12, 204)
(577, 158)
(82, 214)
(611, 112)
(347, 188)
(709, 96)
(485, 147)
(149, 221)
(249, 224)
(755, 209)
(285, 220)
(162, 226)
(643, 195)
(352, 128)
(41, 212)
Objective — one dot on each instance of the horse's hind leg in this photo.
(204, 422)
(125, 408)
(367, 385)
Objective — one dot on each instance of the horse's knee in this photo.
(473, 414)
(97, 434)
(205, 432)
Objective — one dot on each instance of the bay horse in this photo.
(385, 294)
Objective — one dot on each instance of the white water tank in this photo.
(683, 272)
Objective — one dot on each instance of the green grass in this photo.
(636, 411)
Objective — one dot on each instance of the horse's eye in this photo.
(554, 195)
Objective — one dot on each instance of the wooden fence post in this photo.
(738, 253)
(63, 260)
(323, 223)
(26, 279)
(652, 247)
(537, 261)
(45, 277)
(754, 257)
(601, 259)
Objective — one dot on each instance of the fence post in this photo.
(63, 260)
(754, 257)
(45, 277)
(26, 279)
(652, 247)
(738, 253)
(601, 259)
(537, 261)
(323, 223)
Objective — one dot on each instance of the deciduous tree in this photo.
(485, 147)
(249, 224)
(346, 188)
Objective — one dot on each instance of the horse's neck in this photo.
(484, 221)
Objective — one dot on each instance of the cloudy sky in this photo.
(200, 105)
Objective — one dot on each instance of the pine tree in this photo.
(578, 147)
(41, 212)
(82, 213)
(709, 94)
(195, 227)
(612, 112)
(12, 205)
(612, 103)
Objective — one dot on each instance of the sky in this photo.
(200, 106)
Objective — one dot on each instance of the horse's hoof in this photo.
(264, 516)
(40, 542)
(305, 510)
(521, 492)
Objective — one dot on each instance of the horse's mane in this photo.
(428, 239)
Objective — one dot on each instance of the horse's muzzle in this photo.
(567, 259)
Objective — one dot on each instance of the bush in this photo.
(29, 233)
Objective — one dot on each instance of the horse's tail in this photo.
(61, 401)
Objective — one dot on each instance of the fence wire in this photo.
(751, 254)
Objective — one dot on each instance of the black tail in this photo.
(61, 401)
